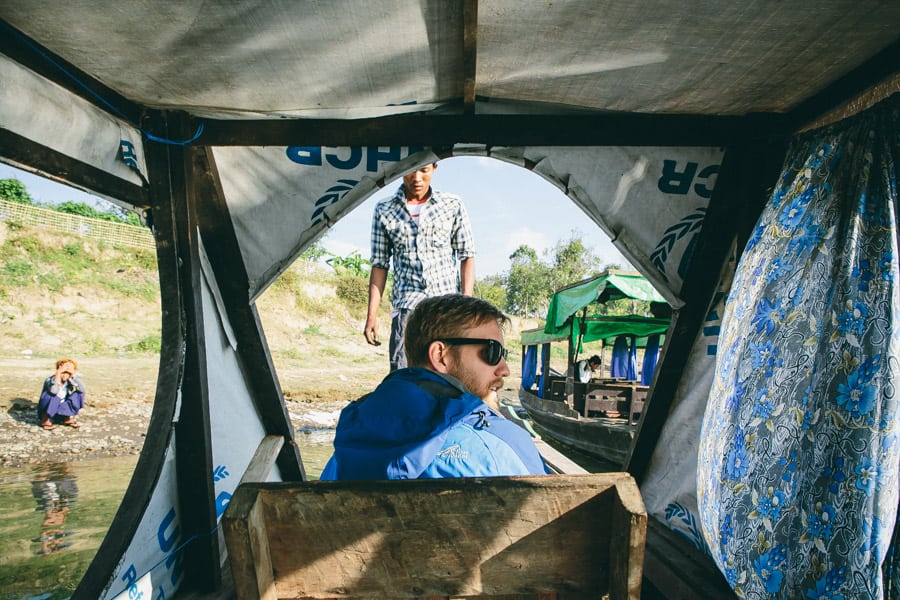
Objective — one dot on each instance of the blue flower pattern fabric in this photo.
(797, 482)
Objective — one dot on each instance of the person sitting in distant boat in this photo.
(585, 369)
(62, 396)
(440, 416)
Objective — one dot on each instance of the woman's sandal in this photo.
(72, 423)
(48, 426)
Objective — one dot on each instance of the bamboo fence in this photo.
(110, 232)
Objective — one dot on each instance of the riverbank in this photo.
(119, 402)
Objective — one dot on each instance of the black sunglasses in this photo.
(494, 352)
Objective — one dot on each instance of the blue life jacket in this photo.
(421, 424)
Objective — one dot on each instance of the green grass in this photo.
(151, 343)
(314, 330)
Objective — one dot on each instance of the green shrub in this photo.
(353, 290)
(53, 281)
(314, 330)
(28, 244)
(19, 272)
(151, 343)
(92, 344)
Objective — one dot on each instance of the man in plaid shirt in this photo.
(428, 236)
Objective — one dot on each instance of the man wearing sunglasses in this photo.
(439, 417)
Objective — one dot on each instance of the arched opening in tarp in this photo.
(277, 201)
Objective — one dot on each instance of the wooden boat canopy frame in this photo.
(171, 108)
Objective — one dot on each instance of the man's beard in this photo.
(473, 386)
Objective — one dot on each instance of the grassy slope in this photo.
(65, 295)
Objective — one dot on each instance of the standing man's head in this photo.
(460, 336)
(417, 183)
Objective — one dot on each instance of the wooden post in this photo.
(570, 371)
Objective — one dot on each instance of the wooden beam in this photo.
(193, 460)
(42, 61)
(747, 175)
(674, 568)
(470, 54)
(426, 129)
(217, 231)
(171, 360)
(869, 74)
(28, 155)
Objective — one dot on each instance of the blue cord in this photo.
(153, 138)
(173, 552)
(96, 96)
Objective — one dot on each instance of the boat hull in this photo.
(602, 438)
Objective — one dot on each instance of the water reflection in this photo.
(55, 489)
(55, 516)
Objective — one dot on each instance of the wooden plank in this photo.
(217, 230)
(193, 437)
(433, 130)
(153, 454)
(263, 459)
(245, 532)
(442, 538)
(627, 540)
(675, 568)
(556, 460)
(31, 156)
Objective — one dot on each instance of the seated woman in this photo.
(62, 396)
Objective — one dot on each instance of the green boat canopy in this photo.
(602, 327)
(611, 285)
(602, 288)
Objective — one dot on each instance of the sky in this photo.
(508, 206)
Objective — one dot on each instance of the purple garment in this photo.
(624, 359)
(51, 404)
(651, 357)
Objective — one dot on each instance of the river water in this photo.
(54, 517)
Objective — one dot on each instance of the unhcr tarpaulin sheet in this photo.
(282, 199)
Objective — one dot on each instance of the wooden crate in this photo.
(556, 536)
(626, 398)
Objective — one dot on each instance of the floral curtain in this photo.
(798, 456)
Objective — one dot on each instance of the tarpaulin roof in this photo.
(351, 59)
(602, 288)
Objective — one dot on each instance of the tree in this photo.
(112, 213)
(528, 283)
(493, 289)
(14, 190)
(314, 252)
(573, 261)
(78, 208)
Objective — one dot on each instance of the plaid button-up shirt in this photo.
(426, 254)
